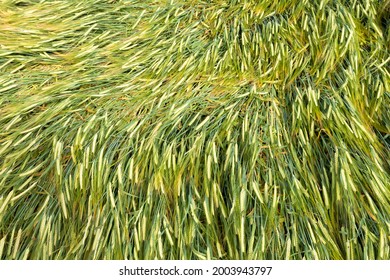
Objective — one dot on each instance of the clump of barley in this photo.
(194, 130)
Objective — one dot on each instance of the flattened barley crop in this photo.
(218, 129)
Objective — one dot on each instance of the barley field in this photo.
(221, 129)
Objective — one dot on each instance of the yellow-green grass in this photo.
(194, 129)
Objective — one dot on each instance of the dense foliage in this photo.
(220, 129)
